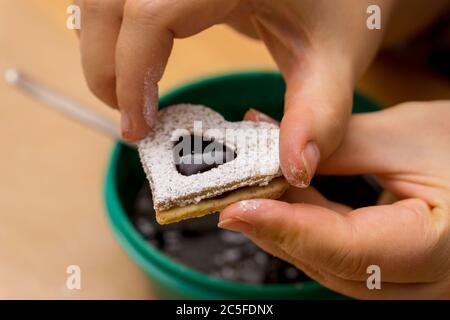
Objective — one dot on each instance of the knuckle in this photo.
(349, 266)
(289, 242)
(346, 261)
(435, 252)
(142, 9)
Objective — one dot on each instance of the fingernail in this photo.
(237, 225)
(133, 129)
(301, 177)
(125, 125)
(310, 157)
(295, 176)
(260, 117)
(249, 115)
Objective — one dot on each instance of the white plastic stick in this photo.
(63, 104)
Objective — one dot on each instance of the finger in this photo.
(294, 195)
(403, 146)
(143, 48)
(317, 102)
(361, 289)
(399, 140)
(100, 21)
(345, 245)
(387, 197)
(371, 145)
(241, 22)
(304, 232)
(314, 123)
(255, 115)
(385, 290)
(312, 196)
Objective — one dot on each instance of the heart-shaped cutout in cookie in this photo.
(178, 196)
(191, 154)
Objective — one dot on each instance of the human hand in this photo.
(407, 148)
(320, 46)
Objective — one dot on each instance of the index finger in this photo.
(143, 48)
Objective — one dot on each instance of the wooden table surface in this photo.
(52, 169)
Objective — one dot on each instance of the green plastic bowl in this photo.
(231, 95)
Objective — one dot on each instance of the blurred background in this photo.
(52, 168)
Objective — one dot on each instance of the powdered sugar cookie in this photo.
(198, 163)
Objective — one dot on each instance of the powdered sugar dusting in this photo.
(299, 176)
(253, 165)
(150, 98)
(249, 205)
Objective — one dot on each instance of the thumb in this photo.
(336, 249)
(302, 234)
(325, 243)
(317, 110)
(318, 100)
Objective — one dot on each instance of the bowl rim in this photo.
(150, 257)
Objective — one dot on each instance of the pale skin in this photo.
(320, 47)
(125, 46)
(407, 148)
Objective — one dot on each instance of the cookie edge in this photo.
(273, 190)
